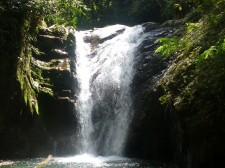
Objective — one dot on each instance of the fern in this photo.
(211, 52)
(168, 46)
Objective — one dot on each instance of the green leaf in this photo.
(168, 46)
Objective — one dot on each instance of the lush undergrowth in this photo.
(198, 51)
(194, 84)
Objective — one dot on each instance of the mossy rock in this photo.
(47, 56)
(49, 42)
(55, 30)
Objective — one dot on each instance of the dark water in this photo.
(88, 161)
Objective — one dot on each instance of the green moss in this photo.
(47, 91)
(28, 89)
(59, 30)
(36, 51)
(165, 98)
(43, 84)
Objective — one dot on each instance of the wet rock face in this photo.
(53, 72)
(150, 135)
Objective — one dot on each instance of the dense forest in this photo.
(191, 89)
(88, 14)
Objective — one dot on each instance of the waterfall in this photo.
(84, 102)
(104, 69)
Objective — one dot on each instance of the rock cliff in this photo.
(53, 72)
(37, 95)
(151, 133)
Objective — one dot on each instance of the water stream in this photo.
(84, 102)
(104, 73)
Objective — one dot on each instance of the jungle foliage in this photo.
(52, 11)
(199, 51)
(194, 83)
(96, 13)
(130, 12)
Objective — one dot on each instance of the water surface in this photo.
(88, 161)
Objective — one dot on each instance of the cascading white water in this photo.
(104, 76)
(84, 102)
